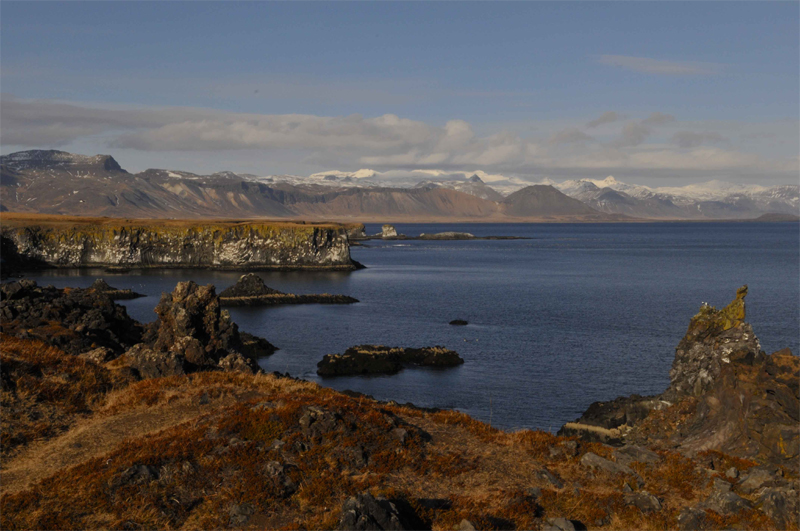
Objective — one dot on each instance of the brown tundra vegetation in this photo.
(88, 443)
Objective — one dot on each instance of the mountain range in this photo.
(57, 182)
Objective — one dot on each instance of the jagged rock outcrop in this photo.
(250, 290)
(192, 333)
(378, 359)
(357, 231)
(714, 338)
(103, 242)
(74, 320)
(388, 231)
(725, 394)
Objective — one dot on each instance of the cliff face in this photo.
(178, 244)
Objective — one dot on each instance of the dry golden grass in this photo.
(19, 219)
(209, 439)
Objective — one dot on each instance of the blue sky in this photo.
(696, 90)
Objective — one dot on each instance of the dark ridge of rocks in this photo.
(250, 290)
(459, 322)
(73, 320)
(102, 286)
(378, 359)
(725, 394)
(191, 334)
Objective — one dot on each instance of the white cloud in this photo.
(386, 142)
(648, 65)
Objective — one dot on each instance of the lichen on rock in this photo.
(714, 338)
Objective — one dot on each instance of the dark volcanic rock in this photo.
(249, 285)
(250, 290)
(378, 359)
(101, 286)
(194, 332)
(725, 394)
(74, 320)
(714, 338)
(255, 347)
(364, 512)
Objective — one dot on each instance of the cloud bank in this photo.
(387, 142)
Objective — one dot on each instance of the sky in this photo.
(657, 93)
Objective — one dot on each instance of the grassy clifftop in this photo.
(70, 241)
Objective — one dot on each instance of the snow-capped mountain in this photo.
(714, 199)
(56, 181)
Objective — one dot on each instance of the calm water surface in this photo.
(576, 314)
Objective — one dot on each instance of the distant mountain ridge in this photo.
(57, 182)
(712, 200)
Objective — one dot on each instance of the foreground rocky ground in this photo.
(161, 432)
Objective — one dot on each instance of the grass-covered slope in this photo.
(90, 448)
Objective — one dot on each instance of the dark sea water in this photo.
(578, 313)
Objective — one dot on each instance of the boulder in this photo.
(780, 504)
(633, 453)
(691, 519)
(153, 363)
(365, 512)
(596, 462)
(726, 503)
(755, 479)
(644, 501)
